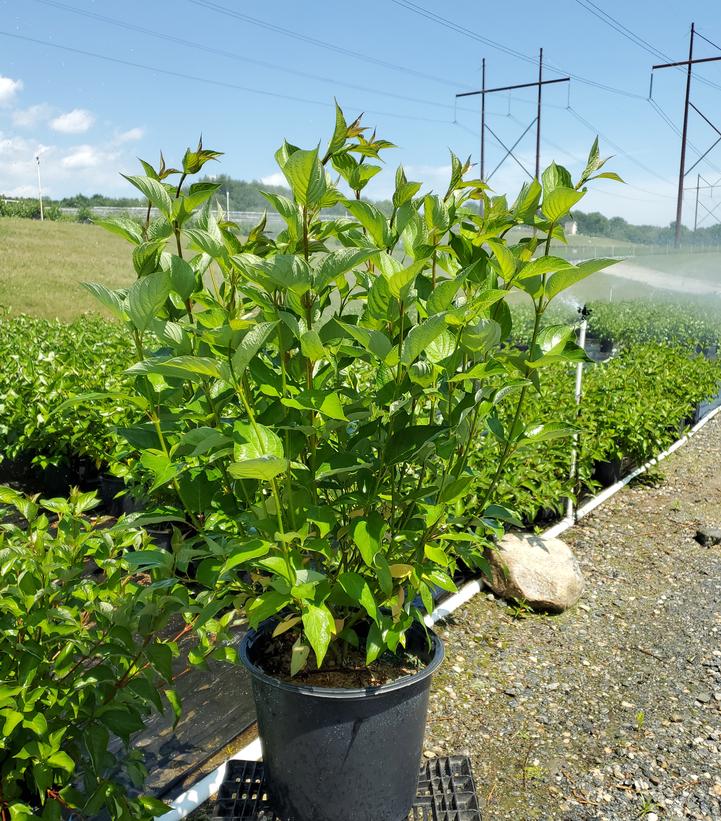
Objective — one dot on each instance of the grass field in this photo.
(43, 263)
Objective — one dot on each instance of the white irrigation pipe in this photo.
(199, 793)
(577, 396)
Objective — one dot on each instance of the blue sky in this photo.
(89, 117)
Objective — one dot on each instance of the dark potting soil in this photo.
(274, 654)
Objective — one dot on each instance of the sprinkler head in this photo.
(585, 312)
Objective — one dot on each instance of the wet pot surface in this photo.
(333, 754)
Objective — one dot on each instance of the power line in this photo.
(443, 21)
(591, 127)
(636, 39)
(209, 81)
(710, 42)
(112, 21)
(255, 21)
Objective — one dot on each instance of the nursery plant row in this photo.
(633, 405)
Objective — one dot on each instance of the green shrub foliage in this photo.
(310, 401)
(45, 364)
(83, 656)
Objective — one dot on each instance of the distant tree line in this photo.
(246, 195)
(597, 225)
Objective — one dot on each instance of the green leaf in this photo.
(306, 177)
(153, 805)
(561, 280)
(145, 297)
(61, 760)
(319, 627)
(121, 721)
(204, 241)
(198, 193)
(542, 265)
(375, 342)
(607, 175)
(337, 141)
(420, 337)
(527, 201)
(298, 656)
(368, 534)
(373, 220)
(400, 281)
(442, 296)
(441, 347)
(195, 368)
(336, 263)
(254, 441)
(555, 176)
(182, 277)
(174, 701)
(379, 299)
(311, 346)
(114, 301)
(559, 202)
(287, 272)
(265, 606)
(505, 259)
(374, 644)
(357, 588)
(405, 444)
(122, 226)
(253, 549)
(155, 192)
(481, 337)
(537, 433)
(12, 719)
(264, 468)
(249, 346)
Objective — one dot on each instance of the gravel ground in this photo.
(613, 709)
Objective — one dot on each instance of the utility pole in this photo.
(40, 188)
(538, 84)
(683, 171)
(227, 204)
(483, 117)
(695, 213)
(538, 115)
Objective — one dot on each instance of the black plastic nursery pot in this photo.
(609, 472)
(333, 753)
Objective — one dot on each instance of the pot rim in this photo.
(438, 654)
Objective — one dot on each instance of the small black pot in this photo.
(608, 473)
(333, 753)
(109, 487)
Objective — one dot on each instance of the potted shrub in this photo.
(310, 401)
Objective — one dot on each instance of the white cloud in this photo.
(130, 135)
(32, 116)
(8, 89)
(86, 168)
(86, 156)
(73, 122)
(274, 179)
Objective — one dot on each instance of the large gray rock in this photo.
(540, 571)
